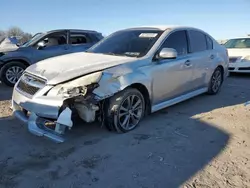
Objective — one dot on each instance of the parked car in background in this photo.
(43, 46)
(8, 44)
(239, 54)
(222, 41)
(125, 76)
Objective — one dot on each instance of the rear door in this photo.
(201, 52)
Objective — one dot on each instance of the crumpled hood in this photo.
(238, 52)
(65, 67)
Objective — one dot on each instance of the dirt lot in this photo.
(203, 142)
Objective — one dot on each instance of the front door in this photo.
(55, 44)
(172, 77)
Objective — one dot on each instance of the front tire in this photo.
(125, 110)
(216, 81)
(11, 72)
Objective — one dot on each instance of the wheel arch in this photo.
(110, 86)
(220, 62)
(6, 66)
(144, 91)
(25, 62)
(222, 70)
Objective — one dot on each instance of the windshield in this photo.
(134, 43)
(33, 40)
(238, 43)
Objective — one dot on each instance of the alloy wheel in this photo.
(130, 112)
(216, 81)
(13, 74)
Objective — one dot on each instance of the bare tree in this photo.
(25, 37)
(2, 33)
(15, 32)
(2, 36)
(20, 35)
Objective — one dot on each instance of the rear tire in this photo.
(11, 72)
(215, 82)
(124, 110)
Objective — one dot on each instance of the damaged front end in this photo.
(50, 110)
(80, 101)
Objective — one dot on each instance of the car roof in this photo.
(72, 30)
(164, 27)
(244, 37)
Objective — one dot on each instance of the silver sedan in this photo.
(119, 80)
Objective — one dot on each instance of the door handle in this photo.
(187, 63)
(212, 56)
(66, 47)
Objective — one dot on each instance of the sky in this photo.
(221, 18)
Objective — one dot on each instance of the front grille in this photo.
(29, 84)
(231, 68)
(244, 68)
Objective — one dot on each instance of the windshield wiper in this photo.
(110, 53)
(126, 55)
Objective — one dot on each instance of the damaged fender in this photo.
(86, 92)
(116, 79)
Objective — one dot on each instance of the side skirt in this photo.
(178, 99)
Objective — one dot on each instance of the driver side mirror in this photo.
(41, 45)
(167, 53)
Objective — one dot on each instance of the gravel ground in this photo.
(203, 142)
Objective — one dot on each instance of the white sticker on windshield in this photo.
(148, 35)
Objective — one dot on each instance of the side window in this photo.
(54, 39)
(78, 39)
(209, 43)
(177, 41)
(198, 41)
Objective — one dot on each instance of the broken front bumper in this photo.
(32, 110)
